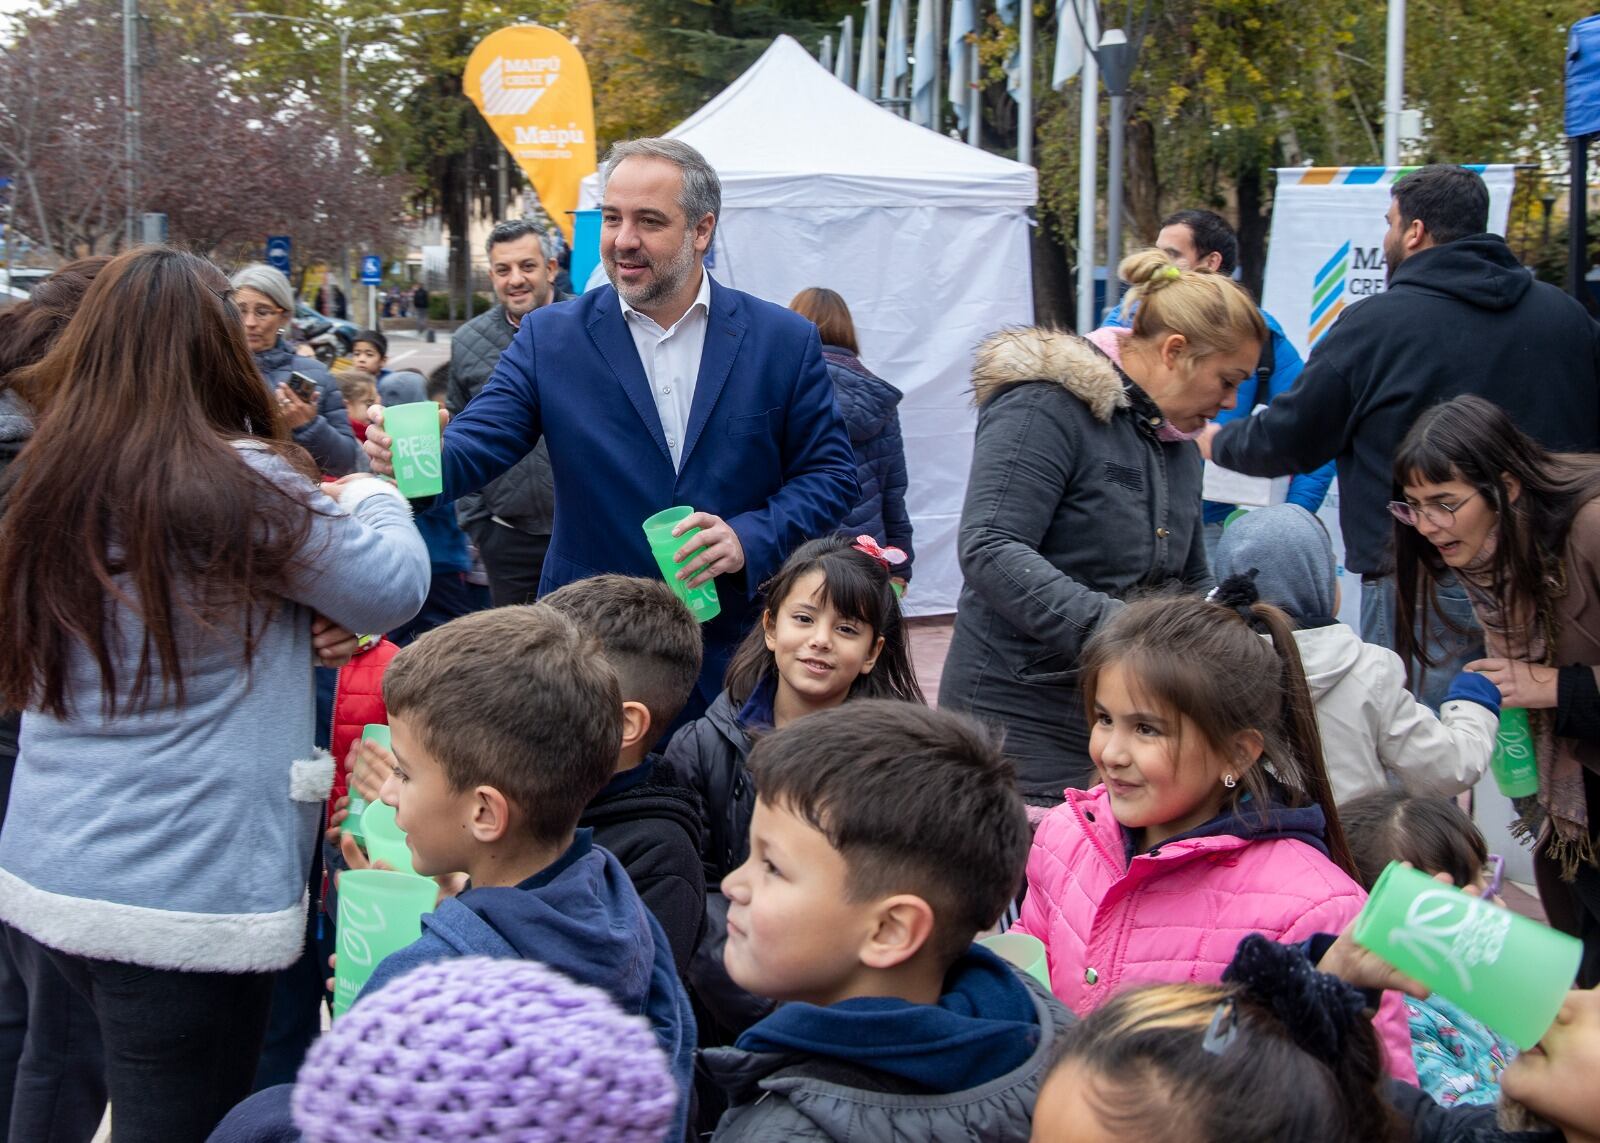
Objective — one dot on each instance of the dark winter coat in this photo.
(1464, 317)
(653, 828)
(327, 439)
(709, 757)
(1461, 1123)
(780, 1097)
(524, 497)
(868, 405)
(1074, 504)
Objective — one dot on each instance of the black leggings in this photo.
(180, 1047)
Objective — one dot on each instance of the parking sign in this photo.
(371, 269)
(278, 248)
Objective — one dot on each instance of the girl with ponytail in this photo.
(1214, 819)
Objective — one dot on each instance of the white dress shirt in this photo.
(671, 360)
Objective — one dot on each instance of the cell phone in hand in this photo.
(303, 387)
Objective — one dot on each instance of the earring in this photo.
(1228, 781)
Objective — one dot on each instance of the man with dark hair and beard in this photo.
(664, 389)
(510, 520)
(1460, 315)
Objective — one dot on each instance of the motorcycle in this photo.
(327, 341)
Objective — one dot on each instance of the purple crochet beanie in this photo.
(498, 1051)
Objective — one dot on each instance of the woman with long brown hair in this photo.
(163, 551)
(1520, 528)
(52, 1086)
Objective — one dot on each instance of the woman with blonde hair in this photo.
(1084, 490)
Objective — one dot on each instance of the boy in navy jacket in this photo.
(505, 724)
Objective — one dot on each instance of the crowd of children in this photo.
(790, 895)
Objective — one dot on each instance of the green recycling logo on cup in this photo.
(419, 456)
(1457, 930)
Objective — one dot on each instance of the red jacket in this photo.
(357, 701)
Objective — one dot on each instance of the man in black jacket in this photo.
(510, 520)
(1460, 315)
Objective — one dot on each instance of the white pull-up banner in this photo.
(1326, 252)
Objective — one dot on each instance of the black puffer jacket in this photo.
(1075, 504)
(329, 440)
(709, 757)
(654, 829)
(525, 495)
(1431, 1123)
(869, 406)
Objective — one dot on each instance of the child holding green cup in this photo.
(702, 601)
(1508, 971)
(372, 732)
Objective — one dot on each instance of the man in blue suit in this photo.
(664, 388)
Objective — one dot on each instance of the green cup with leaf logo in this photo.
(1508, 971)
(414, 448)
(1513, 764)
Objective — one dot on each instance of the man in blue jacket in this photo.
(1203, 240)
(664, 389)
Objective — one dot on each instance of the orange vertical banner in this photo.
(532, 86)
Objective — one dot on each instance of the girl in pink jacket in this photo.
(1215, 819)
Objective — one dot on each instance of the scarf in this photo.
(1557, 817)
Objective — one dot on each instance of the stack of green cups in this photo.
(1508, 971)
(702, 601)
(372, 732)
(379, 913)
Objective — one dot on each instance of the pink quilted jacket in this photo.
(1176, 915)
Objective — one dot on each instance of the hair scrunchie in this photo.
(1317, 1010)
(1171, 273)
(1240, 593)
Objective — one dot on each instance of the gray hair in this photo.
(267, 280)
(513, 229)
(702, 190)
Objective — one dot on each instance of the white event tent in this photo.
(925, 237)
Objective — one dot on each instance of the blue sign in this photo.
(371, 269)
(278, 248)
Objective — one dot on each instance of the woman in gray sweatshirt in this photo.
(164, 550)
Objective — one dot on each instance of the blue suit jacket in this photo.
(766, 448)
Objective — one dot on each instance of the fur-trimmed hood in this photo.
(1019, 355)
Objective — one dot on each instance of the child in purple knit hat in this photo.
(496, 1051)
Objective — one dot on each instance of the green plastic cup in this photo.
(379, 913)
(1513, 764)
(1508, 971)
(702, 601)
(384, 839)
(374, 732)
(414, 431)
(1023, 951)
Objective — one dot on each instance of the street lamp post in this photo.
(1116, 56)
(342, 30)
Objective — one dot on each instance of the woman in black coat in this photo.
(1085, 490)
(869, 406)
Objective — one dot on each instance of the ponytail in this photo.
(1297, 718)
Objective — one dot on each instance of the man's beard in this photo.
(664, 280)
